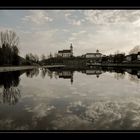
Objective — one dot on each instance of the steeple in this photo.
(71, 48)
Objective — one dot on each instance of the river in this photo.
(69, 99)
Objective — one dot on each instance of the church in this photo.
(66, 53)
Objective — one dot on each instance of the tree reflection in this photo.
(57, 73)
(134, 75)
(43, 72)
(133, 78)
(11, 95)
(68, 73)
(119, 76)
(10, 81)
(33, 72)
(50, 74)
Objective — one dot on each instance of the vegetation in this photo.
(8, 48)
(9, 55)
(9, 51)
(135, 50)
(32, 59)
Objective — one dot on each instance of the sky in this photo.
(47, 31)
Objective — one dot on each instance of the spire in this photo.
(71, 48)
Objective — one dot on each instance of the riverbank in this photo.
(16, 68)
(121, 65)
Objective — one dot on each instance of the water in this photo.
(86, 99)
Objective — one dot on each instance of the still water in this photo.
(86, 99)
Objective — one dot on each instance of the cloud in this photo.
(111, 16)
(77, 23)
(40, 111)
(38, 17)
(38, 42)
(70, 122)
(106, 30)
(70, 18)
(110, 115)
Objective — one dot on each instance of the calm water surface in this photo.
(90, 99)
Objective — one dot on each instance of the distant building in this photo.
(93, 55)
(66, 53)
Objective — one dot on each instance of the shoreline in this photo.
(18, 68)
(15, 68)
(121, 65)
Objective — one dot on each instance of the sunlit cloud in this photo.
(38, 17)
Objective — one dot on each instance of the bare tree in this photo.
(36, 58)
(9, 48)
(50, 56)
(9, 38)
(135, 50)
(43, 57)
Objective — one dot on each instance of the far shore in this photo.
(15, 68)
(18, 68)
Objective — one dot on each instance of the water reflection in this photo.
(65, 73)
(32, 72)
(109, 102)
(9, 82)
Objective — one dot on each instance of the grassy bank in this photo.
(15, 68)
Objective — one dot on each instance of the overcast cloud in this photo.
(45, 31)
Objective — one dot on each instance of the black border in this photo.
(68, 3)
(65, 5)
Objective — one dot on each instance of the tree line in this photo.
(9, 51)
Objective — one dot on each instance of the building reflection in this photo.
(68, 73)
(65, 74)
(9, 82)
(97, 71)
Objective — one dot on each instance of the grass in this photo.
(15, 68)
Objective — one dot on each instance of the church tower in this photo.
(71, 48)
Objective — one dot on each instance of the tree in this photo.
(8, 48)
(36, 58)
(56, 55)
(50, 56)
(119, 58)
(27, 57)
(135, 50)
(9, 38)
(43, 57)
(15, 57)
(30, 58)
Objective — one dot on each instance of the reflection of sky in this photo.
(88, 104)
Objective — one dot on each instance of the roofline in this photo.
(93, 53)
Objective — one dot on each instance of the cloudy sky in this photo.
(45, 31)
